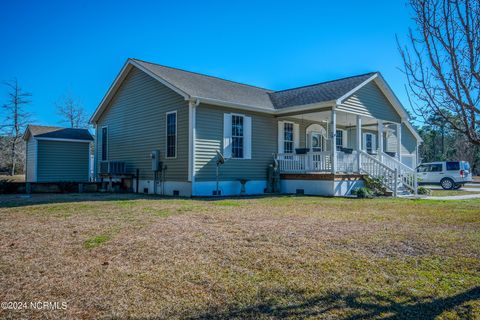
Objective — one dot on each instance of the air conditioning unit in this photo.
(113, 167)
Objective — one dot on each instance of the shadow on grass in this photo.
(21, 200)
(352, 307)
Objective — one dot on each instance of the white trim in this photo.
(374, 142)
(166, 136)
(283, 136)
(244, 137)
(66, 140)
(192, 105)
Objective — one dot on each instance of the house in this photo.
(323, 137)
(55, 154)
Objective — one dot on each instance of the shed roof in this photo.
(57, 133)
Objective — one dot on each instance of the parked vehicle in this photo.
(448, 174)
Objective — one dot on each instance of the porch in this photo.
(341, 144)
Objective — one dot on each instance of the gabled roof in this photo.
(208, 87)
(211, 90)
(315, 93)
(47, 132)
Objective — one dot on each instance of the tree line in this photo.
(16, 114)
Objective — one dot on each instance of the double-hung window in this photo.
(104, 143)
(339, 139)
(237, 137)
(288, 137)
(171, 134)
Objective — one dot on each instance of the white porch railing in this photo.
(391, 172)
(376, 169)
(407, 176)
(316, 162)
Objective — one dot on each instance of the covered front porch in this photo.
(333, 141)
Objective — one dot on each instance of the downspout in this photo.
(192, 107)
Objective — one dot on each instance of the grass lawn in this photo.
(123, 256)
(445, 193)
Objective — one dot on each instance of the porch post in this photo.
(358, 144)
(380, 138)
(399, 141)
(334, 140)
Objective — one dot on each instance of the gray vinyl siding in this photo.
(136, 119)
(30, 160)
(409, 141)
(62, 161)
(370, 101)
(209, 138)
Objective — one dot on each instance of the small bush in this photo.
(424, 191)
(364, 193)
(375, 186)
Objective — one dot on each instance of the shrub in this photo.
(424, 191)
(363, 193)
(375, 186)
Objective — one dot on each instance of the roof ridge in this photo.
(204, 75)
(325, 82)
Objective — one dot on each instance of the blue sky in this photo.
(79, 46)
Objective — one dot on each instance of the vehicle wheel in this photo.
(447, 183)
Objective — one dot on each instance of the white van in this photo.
(449, 174)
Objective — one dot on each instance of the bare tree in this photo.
(72, 112)
(15, 120)
(442, 63)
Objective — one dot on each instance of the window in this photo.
(422, 168)
(369, 142)
(339, 139)
(172, 134)
(453, 166)
(104, 143)
(436, 167)
(288, 137)
(237, 136)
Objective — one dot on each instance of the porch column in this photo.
(399, 141)
(358, 144)
(380, 137)
(334, 140)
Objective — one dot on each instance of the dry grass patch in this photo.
(120, 256)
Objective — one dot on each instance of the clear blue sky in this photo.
(79, 46)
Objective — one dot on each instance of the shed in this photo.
(55, 154)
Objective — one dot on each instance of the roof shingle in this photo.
(203, 86)
(59, 132)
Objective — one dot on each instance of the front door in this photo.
(317, 141)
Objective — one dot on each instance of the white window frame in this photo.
(344, 138)
(108, 144)
(243, 134)
(166, 134)
(293, 137)
(374, 142)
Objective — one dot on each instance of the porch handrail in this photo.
(407, 175)
(377, 169)
(318, 161)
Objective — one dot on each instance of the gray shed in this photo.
(56, 154)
